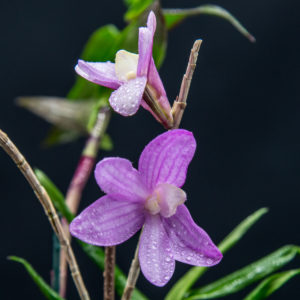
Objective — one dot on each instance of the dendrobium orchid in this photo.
(150, 197)
(134, 77)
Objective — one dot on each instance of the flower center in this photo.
(165, 199)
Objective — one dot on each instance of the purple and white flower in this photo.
(134, 77)
(150, 198)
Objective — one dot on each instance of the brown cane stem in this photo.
(109, 273)
(179, 104)
(49, 209)
(177, 112)
(78, 182)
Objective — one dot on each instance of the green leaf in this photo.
(175, 16)
(233, 237)
(47, 291)
(55, 195)
(183, 285)
(271, 284)
(135, 8)
(239, 279)
(95, 253)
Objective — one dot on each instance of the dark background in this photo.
(243, 109)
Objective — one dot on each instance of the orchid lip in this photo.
(165, 199)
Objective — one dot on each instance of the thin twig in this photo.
(109, 273)
(133, 275)
(49, 209)
(177, 112)
(78, 182)
(179, 104)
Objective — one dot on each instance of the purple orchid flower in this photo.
(134, 77)
(150, 197)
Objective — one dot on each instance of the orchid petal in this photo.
(166, 158)
(155, 255)
(155, 82)
(190, 244)
(127, 98)
(108, 222)
(151, 22)
(116, 175)
(102, 73)
(145, 51)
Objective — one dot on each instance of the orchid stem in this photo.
(179, 104)
(79, 180)
(133, 275)
(49, 209)
(109, 273)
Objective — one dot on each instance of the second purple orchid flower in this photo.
(150, 198)
(134, 77)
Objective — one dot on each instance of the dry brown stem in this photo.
(49, 209)
(179, 104)
(109, 273)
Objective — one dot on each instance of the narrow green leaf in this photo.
(186, 282)
(175, 16)
(239, 279)
(55, 195)
(47, 291)
(96, 254)
(271, 284)
(233, 237)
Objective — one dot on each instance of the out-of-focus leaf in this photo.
(101, 46)
(60, 112)
(96, 254)
(55, 194)
(135, 8)
(186, 282)
(58, 136)
(239, 279)
(106, 143)
(175, 16)
(271, 284)
(47, 291)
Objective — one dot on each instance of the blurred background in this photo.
(243, 109)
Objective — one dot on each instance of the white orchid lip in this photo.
(126, 64)
(165, 199)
